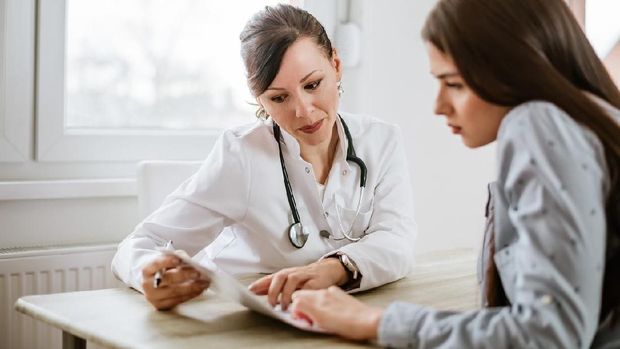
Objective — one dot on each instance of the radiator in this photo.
(47, 270)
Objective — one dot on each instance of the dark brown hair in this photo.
(514, 51)
(268, 34)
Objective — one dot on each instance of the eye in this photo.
(454, 85)
(313, 85)
(278, 99)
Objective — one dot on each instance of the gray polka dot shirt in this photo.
(550, 235)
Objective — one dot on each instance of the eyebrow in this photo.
(447, 75)
(300, 81)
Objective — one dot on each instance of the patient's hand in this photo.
(179, 283)
(337, 312)
(280, 286)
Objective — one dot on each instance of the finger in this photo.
(303, 305)
(178, 290)
(277, 282)
(169, 303)
(179, 275)
(168, 277)
(301, 316)
(261, 286)
(293, 282)
(159, 263)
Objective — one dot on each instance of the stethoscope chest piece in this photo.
(298, 235)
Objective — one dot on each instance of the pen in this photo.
(159, 273)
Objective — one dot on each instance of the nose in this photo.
(304, 106)
(442, 105)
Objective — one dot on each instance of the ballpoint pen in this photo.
(158, 274)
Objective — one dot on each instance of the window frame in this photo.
(17, 42)
(579, 10)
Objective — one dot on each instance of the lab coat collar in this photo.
(292, 145)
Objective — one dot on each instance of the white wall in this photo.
(393, 82)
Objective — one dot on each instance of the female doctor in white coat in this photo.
(311, 195)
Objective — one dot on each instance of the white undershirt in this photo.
(321, 188)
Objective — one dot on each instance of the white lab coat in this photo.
(236, 207)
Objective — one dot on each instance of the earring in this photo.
(261, 113)
(340, 89)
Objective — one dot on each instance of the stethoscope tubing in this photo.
(297, 234)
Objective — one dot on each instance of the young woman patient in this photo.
(522, 73)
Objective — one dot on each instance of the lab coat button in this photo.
(324, 233)
(344, 172)
(307, 170)
(326, 214)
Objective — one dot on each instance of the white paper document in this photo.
(226, 286)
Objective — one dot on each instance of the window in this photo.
(130, 80)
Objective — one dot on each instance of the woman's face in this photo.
(476, 120)
(303, 97)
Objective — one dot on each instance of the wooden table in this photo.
(123, 318)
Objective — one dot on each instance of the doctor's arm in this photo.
(191, 217)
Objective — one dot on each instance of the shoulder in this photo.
(540, 125)
(539, 116)
(247, 135)
(363, 125)
(538, 138)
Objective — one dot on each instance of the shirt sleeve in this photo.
(553, 180)
(386, 252)
(194, 214)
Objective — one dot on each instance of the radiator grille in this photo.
(47, 270)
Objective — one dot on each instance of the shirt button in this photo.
(344, 172)
(324, 233)
(307, 170)
(326, 214)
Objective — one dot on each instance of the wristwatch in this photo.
(354, 277)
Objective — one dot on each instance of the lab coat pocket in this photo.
(505, 260)
(345, 219)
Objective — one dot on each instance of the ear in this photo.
(337, 64)
(259, 102)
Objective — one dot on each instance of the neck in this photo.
(321, 155)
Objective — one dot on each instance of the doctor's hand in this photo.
(337, 312)
(179, 283)
(280, 286)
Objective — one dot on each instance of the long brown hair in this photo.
(268, 34)
(514, 51)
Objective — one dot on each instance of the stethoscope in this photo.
(297, 234)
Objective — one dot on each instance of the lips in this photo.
(312, 127)
(455, 129)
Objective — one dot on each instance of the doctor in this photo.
(310, 195)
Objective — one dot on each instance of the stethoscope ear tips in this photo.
(298, 235)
